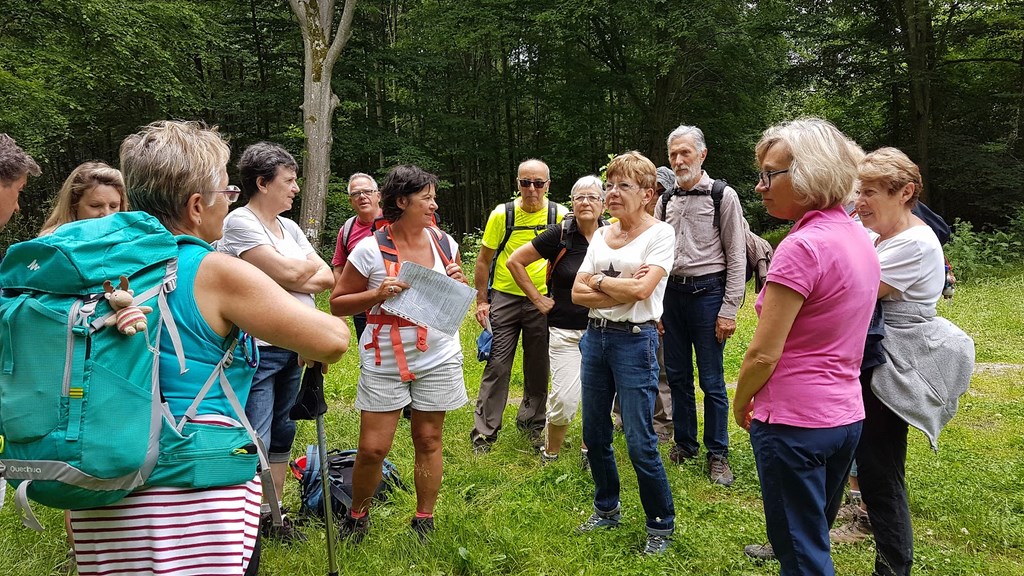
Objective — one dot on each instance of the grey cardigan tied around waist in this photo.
(929, 362)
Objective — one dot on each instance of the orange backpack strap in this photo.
(389, 252)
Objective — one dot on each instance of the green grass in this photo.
(505, 514)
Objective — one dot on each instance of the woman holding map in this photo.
(400, 363)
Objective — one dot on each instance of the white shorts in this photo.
(442, 389)
(565, 359)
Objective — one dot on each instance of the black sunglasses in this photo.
(524, 183)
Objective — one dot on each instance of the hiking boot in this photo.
(354, 529)
(656, 544)
(286, 533)
(849, 512)
(423, 527)
(679, 455)
(759, 552)
(481, 445)
(601, 520)
(546, 458)
(853, 532)
(719, 471)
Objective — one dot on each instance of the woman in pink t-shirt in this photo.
(798, 392)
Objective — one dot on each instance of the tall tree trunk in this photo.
(918, 26)
(321, 50)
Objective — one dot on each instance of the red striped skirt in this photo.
(170, 531)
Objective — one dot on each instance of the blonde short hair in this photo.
(167, 162)
(824, 160)
(81, 180)
(636, 166)
(893, 170)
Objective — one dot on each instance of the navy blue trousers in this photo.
(803, 472)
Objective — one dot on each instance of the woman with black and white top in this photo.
(622, 280)
(258, 234)
(563, 245)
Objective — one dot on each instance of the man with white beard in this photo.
(705, 290)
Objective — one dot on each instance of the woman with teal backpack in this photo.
(177, 171)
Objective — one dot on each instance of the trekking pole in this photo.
(321, 436)
(311, 405)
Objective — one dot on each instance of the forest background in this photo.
(469, 88)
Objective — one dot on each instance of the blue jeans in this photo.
(803, 474)
(691, 311)
(626, 363)
(274, 390)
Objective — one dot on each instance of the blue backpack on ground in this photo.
(82, 422)
(339, 466)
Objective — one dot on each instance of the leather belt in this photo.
(602, 324)
(695, 279)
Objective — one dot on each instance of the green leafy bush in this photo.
(975, 254)
(775, 235)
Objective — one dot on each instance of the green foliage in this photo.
(975, 255)
(567, 82)
(775, 235)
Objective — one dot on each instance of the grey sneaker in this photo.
(679, 455)
(853, 532)
(546, 458)
(584, 461)
(354, 529)
(759, 552)
(601, 520)
(719, 471)
(656, 544)
(481, 445)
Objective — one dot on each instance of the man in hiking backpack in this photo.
(510, 312)
(705, 290)
(15, 168)
(365, 199)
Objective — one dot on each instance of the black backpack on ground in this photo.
(340, 464)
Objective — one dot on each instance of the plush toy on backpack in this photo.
(130, 319)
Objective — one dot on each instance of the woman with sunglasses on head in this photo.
(258, 234)
(92, 190)
(622, 281)
(563, 245)
(798, 392)
(177, 172)
(400, 363)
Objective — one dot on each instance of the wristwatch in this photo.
(597, 284)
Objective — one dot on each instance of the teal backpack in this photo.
(82, 422)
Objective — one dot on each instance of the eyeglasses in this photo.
(538, 184)
(766, 177)
(587, 198)
(232, 193)
(362, 192)
(610, 187)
